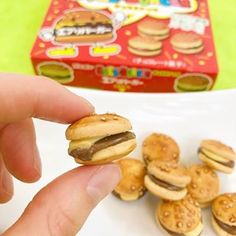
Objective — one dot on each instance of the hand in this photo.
(62, 206)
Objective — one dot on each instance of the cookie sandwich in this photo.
(131, 186)
(99, 139)
(167, 180)
(217, 155)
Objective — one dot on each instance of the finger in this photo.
(62, 207)
(6, 183)
(19, 150)
(24, 96)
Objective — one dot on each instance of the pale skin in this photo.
(59, 208)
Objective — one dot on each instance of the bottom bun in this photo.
(219, 231)
(93, 38)
(145, 53)
(215, 165)
(163, 192)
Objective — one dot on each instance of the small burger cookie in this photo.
(192, 82)
(217, 155)
(187, 43)
(144, 46)
(58, 71)
(99, 139)
(154, 29)
(83, 27)
(205, 184)
(160, 147)
(181, 218)
(224, 214)
(131, 186)
(167, 180)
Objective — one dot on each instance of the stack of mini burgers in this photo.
(148, 42)
(183, 191)
(151, 34)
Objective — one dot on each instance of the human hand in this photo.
(62, 206)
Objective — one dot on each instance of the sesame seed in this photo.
(133, 187)
(179, 224)
(166, 213)
(232, 219)
(194, 185)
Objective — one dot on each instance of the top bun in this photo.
(219, 148)
(224, 208)
(97, 125)
(82, 18)
(170, 172)
(186, 40)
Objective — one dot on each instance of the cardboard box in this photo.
(136, 46)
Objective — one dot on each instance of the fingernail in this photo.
(6, 184)
(91, 107)
(89, 104)
(36, 161)
(103, 181)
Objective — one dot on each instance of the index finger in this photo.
(24, 96)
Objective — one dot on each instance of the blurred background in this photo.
(20, 21)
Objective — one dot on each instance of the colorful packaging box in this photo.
(128, 45)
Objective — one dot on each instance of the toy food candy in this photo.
(205, 184)
(217, 155)
(167, 180)
(181, 217)
(160, 147)
(100, 139)
(223, 214)
(131, 186)
(128, 45)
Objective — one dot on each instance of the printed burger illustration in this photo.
(81, 27)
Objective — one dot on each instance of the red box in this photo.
(137, 46)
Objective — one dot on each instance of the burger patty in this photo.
(144, 50)
(86, 154)
(164, 184)
(87, 29)
(190, 48)
(56, 76)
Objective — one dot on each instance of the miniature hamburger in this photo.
(83, 27)
(131, 186)
(205, 184)
(144, 46)
(155, 29)
(192, 82)
(187, 43)
(224, 214)
(60, 72)
(167, 180)
(100, 139)
(217, 155)
(180, 218)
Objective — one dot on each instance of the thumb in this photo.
(62, 207)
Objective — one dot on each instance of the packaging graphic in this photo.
(128, 45)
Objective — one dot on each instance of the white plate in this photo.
(188, 118)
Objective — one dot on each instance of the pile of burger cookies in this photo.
(151, 33)
(185, 190)
(100, 139)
